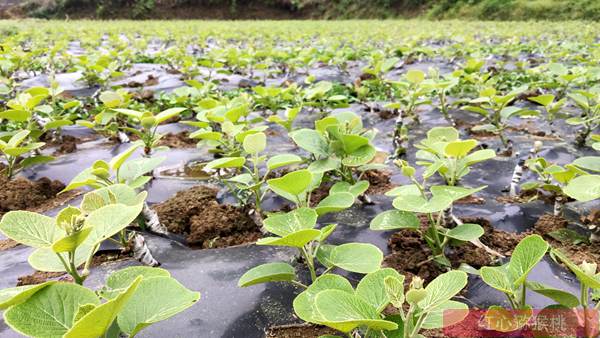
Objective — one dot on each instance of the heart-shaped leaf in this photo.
(270, 272)
(395, 219)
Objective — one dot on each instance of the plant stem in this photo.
(310, 263)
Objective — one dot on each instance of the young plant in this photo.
(224, 125)
(563, 182)
(322, 96)
(339, 146)
(149, 123)
(552, 107)
(71, 239)
(589, 120)
(373, 83)
(417, 198)
(131, 299)
(14, 151)
(249, 186)
(274, 98)
(441, 87)
(108, 122)
(121, 170)
(496, 111)
(290, 116)
(512, 280)
(412, 92)
(359, 312)
(589, 283)
(444, 153)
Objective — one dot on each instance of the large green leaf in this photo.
(442, 289)
(465, 232)
(589, 281)
(19, 294)
(50, 311)
(225, 162)
(283, 224)
(454, 192)
(344, 312)
(99, 319)
(109, 220)
(416, 203)
(355, 189)
(591, 163)
(297, 239)
(584, 188)
(525, 256)
(282, 160)
(460, 149)
(357, 257)
(372, 287)
(293, 183)
(497, 277)
(155, 299)
(334, 203)
(71, 242)
(30, 228)
(395, 219)
(311, 141)
(448, 313)
(561, 297)
(120, 280)
(270, 272)
(255, 143)
(304, 303)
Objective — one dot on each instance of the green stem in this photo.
(310, 263)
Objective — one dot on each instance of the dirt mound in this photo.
(23, 194)
(206, 223)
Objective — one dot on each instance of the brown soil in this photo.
(67, 144)
(471, 199)
(379, 181)
(576, 252)
(6, 244)
(179, 140)
(40, 195)
(196, 213)
(39, 277)
(410, 251)
(300, 331)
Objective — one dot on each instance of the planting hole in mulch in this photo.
(197, 214)
(548, 225)
(410, 251)
(179, 140)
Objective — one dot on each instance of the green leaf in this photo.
(442, 289)
(311, 141)
(465, 232)
(293, 183)
(71, 242)
(525, 256)
(283, 224)
(415, 76)
(97, 321)
(282, 160)
(297, 239)
(167, 114)
(361, 156)
(30, 228)
(416, 203)
(584, 188)
(561, 297)
(120, 280)
(225, 162)
(544, 100)
(395, 219)
(304, 303)
(448, 313)
(15, 115)
(454, 192)
(356, 189)
(372, 287)
(589, 281)
(497, 277)
(50, 311)
(357, 257)
(345, 312)
(479, 156)
(334, 203)
(270, 272)
(36, 160)
(19, 294)
(118, 160)
(255, 143)
(591, 163)
(155, 299)
(324, 165)
(109, 220)
(460, 149)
